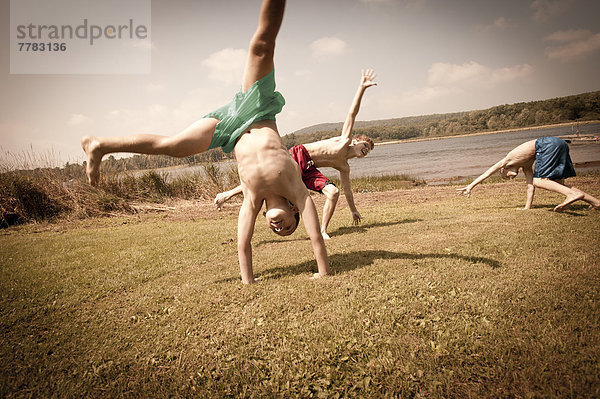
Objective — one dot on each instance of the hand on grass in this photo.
(465, 190)
(356, 218)
(219, 201)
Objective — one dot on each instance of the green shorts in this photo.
(259, 102)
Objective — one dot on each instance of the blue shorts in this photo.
(258, 103)
(552, 160)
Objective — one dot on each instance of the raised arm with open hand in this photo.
(366, 80)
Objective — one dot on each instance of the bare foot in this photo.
(219, 200)
(315, 276)
(91, 147)
(568, 201)
(325, 236)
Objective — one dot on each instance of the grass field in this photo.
(433, 295)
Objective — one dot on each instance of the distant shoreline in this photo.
(177, 169)
(491, 132)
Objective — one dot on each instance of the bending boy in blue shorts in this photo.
(247, 126)
(546, 163)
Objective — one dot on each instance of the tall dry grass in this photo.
(34, 189)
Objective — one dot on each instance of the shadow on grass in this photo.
(340, 263)
(279, 240)
(344, 230)
(364, 227)
(570, 210)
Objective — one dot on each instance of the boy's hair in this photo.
(503, 173)
(505, 169)
(362, 137)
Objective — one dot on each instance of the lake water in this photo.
(440, 160)
(462, 157)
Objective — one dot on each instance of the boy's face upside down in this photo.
(283, 219)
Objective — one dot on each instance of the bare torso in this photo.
(264, 165)
(331, 152)
(522, 156)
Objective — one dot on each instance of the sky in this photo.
(430, 56)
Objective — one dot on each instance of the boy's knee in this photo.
(260, 47)
(331, 191)
(537, 181)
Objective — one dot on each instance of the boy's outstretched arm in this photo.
(346, 186)
(366, 81)
(246, 222)
(493, 169)
(310, 218)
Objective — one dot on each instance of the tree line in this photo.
(582, 107)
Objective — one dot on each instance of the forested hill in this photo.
(581, 107)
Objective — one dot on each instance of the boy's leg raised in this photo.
(262, 45)
(194, 139)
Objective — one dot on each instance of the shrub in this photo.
(22, 199)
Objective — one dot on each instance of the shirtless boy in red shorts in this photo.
(334, 153)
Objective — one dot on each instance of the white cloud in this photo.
(577, 49)
(447, 80)
(112, 115)
(157, 110)
(154, 87)
(328, 47)
(568, 36)
(227, 65)
(509, 74)
(452, 87)
(442, 74)
(543, 10)
(499, 23)
(572, 45)
(474, 74)
(78, 119)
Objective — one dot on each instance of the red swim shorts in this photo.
(312, 178)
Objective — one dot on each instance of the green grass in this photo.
(366, 184)
(433, 295)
